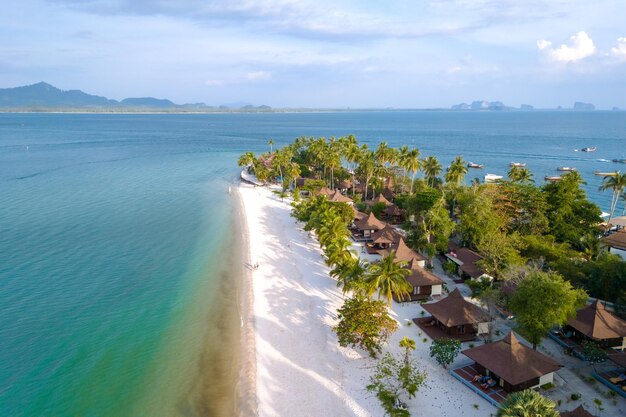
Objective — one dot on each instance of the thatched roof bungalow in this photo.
(595, 323)
(514, 366)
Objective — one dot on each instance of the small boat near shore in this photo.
(619, 161)
(553, 178)
(518, 164)
(566, 169)
(589, 149)
(473, 165)
(605, 174)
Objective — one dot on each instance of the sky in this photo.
(320, 53)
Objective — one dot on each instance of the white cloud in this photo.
(580, 46)
(258, 76)
(620, 51)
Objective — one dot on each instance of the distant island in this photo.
(45, 97)
(482, 105)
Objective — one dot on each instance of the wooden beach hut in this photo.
(365, 228)
(383, 239)
(403, 253)
(466, 260)
(456, 317)
(514, 366)
(596, 323)
(616, 243)
(425, 284)
(337, 197)
(577, 412)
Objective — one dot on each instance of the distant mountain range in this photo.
(43, 96)
(498, 106)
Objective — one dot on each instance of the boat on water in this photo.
(518, 164)
(552, 178)
(619, 161)
(566, 169)
(491, 178)
(473, 165)
(589, 149)
(605, 174)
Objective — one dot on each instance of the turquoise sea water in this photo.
(116, 239)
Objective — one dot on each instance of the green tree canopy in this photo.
(365, 323)
(543, 300)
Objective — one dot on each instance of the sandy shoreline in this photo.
(300, 368)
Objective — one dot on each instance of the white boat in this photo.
(605, 174)
(566, 169)
(553, 178)
(473, 165)
(589, 149)
(518, 164)
(491, 178)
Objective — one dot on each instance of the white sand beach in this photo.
(300, 368)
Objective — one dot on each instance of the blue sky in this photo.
(318, 53)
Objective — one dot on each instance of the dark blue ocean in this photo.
(116, 237)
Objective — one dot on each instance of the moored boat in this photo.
(619, 161)
(552, 178)
(605, 174)
(566, 169)
(518, 164)
(589, 149)
(473, 165)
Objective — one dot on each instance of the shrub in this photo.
(575, 396)
(445, 351)
(450, 267)
(547, 386)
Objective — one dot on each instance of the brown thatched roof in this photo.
(386, 236)
(359, 215)
(619, 358)
(370, 223)
(454, 310)
(337, 197)
(596, 322)
(468, 259)
(393, 210)
(380, 199)
(420, 277)
(325, 191)
(616, 240)
(577, 412)
(512, 361)
(403, 252)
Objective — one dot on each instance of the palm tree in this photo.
(520, 175)
(413, 164)
(333, 159)
(349, 273)
(432, 168)
(388, 277)
(616, 183)
(332, 229)
(337, 251)
(527, 403)
(247, 159)
(271, 143)
(351, 153)
(456, 171)
(624, 200)
(408, 345)
(367, 167)
(293, 172)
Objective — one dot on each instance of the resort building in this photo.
(454, 316)
(404, 253)
(595, 323)
(337, 197)
(616, 243)
(393, 213)
(512, 365)
(466, 259)
(364, 228)
(425, 284)
(380, 199)
(383, 239)
(577, 412)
